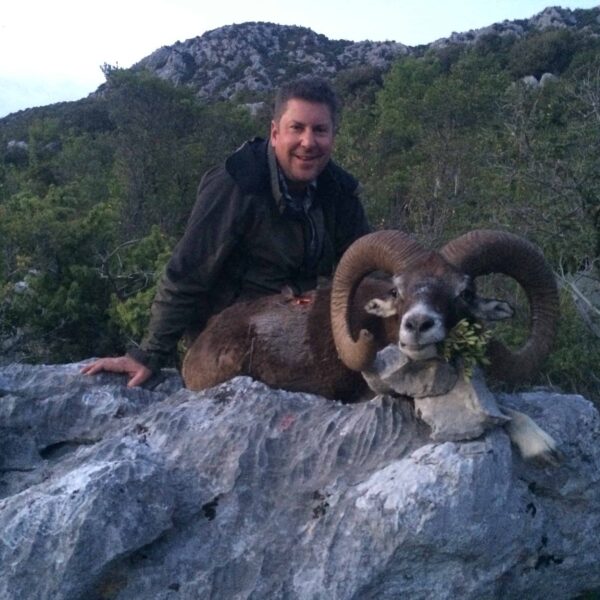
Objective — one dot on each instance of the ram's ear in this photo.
(490, 309)
(381, 307)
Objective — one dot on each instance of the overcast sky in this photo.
(52, 50)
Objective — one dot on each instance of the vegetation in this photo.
(456, 140)
(91, 210)
(94, 194)
(466, 343)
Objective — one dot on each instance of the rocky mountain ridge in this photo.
(553, 17)
(257, 56)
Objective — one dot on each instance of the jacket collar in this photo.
(274, 179)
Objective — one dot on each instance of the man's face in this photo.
(303, 140)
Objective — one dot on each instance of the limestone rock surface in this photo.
(246, 492)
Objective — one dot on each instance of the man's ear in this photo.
(274, 132)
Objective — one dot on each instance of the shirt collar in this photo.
(280, 188)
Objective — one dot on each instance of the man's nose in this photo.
(308, 137)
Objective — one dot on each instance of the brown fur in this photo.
(283, 342)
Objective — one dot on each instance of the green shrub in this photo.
(136, 271)
(574, 365)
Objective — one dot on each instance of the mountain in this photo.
(553, 17)
(257, 57)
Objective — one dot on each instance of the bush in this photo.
(137, 269)
(572, 366)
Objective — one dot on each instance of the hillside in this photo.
(256, 57)
(497, 128)
(554, 17)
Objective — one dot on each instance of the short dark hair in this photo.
(311, 89)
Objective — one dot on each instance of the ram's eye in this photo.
(393, 293)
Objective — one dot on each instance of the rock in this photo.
(259, 57)
(463, 413)
(393, 372)
(17, 152)
(530, 81)
(242, 491)
(548, 78)
(457, 406)
(554, 17)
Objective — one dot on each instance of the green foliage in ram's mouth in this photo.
(466, 343)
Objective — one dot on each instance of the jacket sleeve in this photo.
(182, 295)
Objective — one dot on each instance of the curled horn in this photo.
(483, 252)
(390, 251)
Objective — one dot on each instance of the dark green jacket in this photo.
(240, 243)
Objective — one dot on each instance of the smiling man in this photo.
(277, 214)
(302, 138)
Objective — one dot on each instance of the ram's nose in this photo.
(418, 324)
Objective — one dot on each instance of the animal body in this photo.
(285, 341)
(321, 342)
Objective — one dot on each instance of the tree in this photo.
(549, 161)
(52, 297)
(543, 52)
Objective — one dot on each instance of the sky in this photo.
(53, 50)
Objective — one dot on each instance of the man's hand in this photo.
(136, 371)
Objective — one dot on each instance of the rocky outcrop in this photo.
(242, 491)
(553, 17)
(257, 57)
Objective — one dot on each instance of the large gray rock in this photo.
(246, 492)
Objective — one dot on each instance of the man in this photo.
(278, 213)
